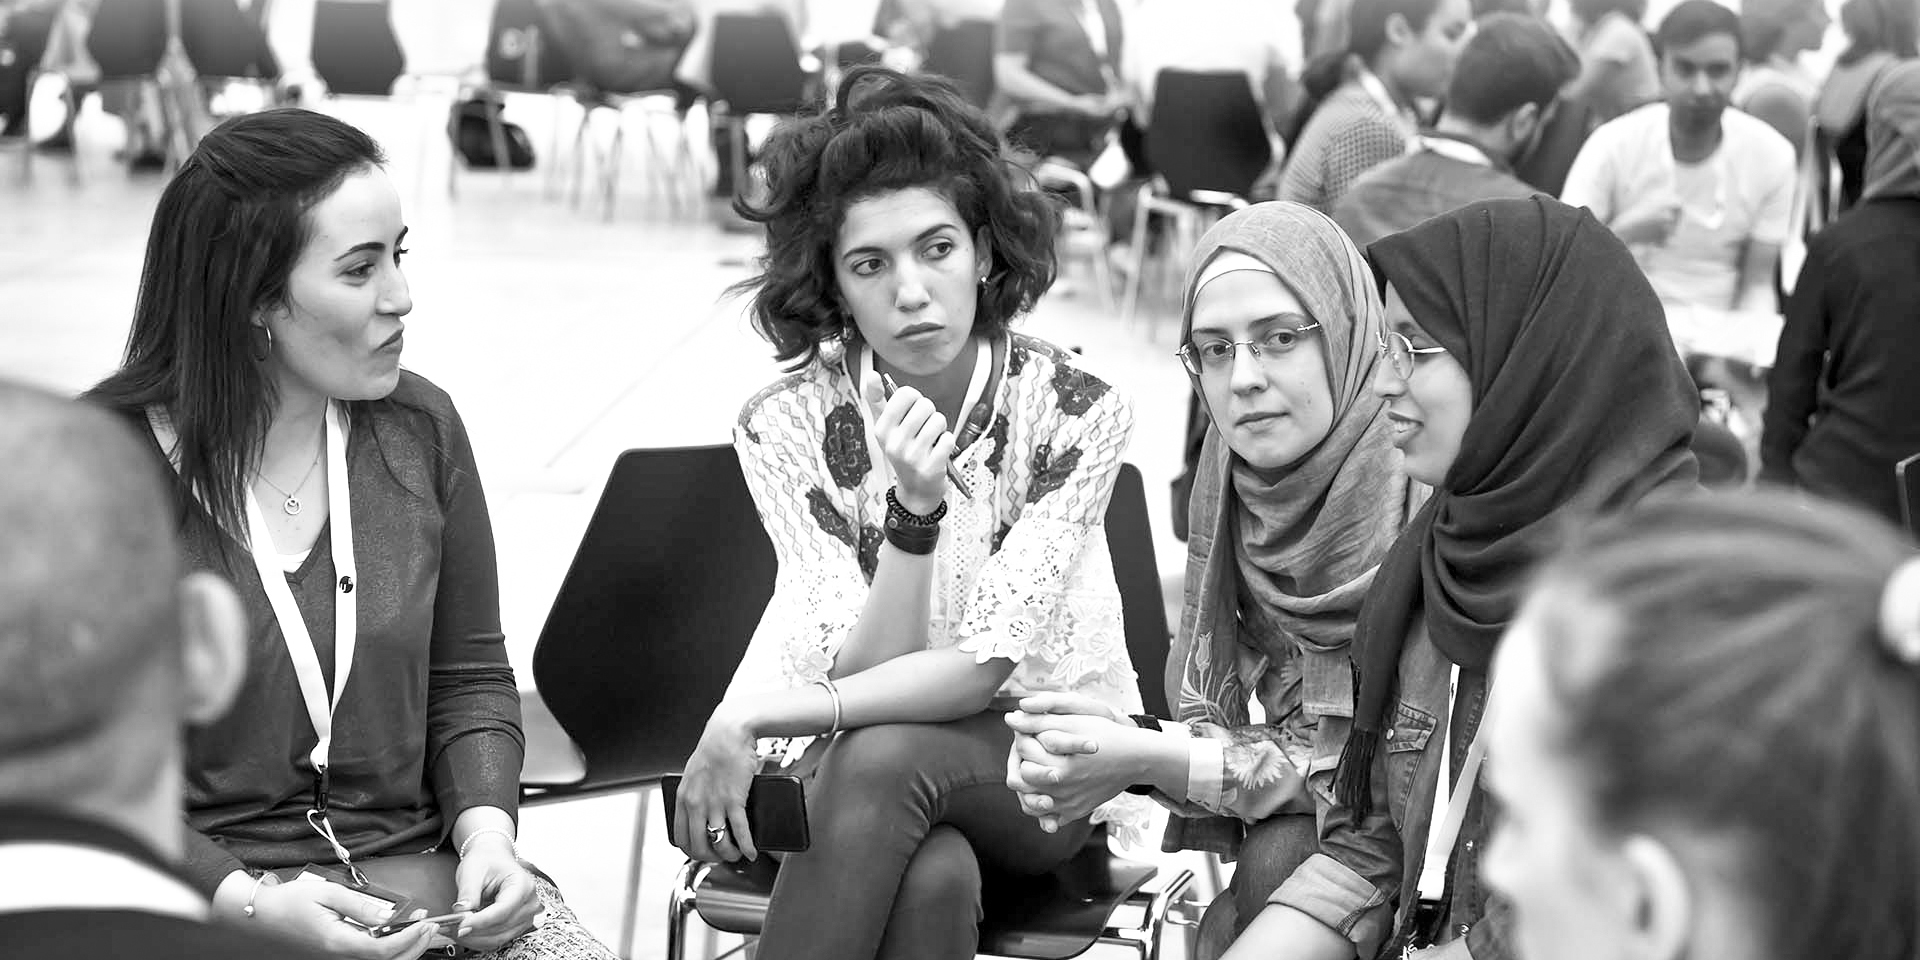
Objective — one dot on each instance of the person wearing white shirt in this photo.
(1701, 193)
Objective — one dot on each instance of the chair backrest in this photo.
(128, 37)
(521, 51)
(1907, 474)
(1137, 571)
(354, 47)
(667, 586)
(963, 53)
(755, 67)
(1206, 132)
(221, 40)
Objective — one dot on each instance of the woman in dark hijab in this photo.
(1841, 409)
(1529, 373)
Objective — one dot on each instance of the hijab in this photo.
(1893, 134)
(1296, 546)
(1580, 402)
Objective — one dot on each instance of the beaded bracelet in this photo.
(255, 892)
(483, 831)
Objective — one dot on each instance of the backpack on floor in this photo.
(473, 135)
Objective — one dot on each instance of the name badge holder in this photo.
(293, 627)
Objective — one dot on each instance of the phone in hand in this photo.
(449, 924)
(776, 811)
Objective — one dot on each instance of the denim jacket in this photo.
(1363, 882)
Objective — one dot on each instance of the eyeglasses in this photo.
(1401, 353)
(1211, 357)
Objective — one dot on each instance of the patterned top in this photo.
(1022, 570)
(1347, 135)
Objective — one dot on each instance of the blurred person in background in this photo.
(1057, 66)
(696, 71)
(1879, 34)
(109, 651)
(910, 612)
(1297, 499)
(1774, 86)
(1701, 193)
(1844, 394)
(1504, 90)
(1706, 741)
(1618, 69)
(263, 369)
(1399, 52)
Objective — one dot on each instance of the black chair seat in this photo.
(1049, 917)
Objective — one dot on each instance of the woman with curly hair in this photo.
(935, 487)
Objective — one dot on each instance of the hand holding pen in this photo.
(916, 440)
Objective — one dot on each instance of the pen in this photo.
(953, 476)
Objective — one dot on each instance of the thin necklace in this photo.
(292, 506)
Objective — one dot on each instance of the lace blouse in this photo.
(1022, 570)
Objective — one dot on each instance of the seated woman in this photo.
(264, 361)
(1530, 374)
(1297, 498)
(941, 545)
(1665, 794)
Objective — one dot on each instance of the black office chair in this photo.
(1050, 917)
(1208, 141)
(756, 69)
(963, 53)
(354, 48)
(663, 594)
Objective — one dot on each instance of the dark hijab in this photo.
(1580, 401)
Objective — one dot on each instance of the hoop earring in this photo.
(261, 346)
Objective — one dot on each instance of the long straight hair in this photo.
(225, 237)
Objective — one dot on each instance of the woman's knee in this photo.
(882, 756)
(943, 872)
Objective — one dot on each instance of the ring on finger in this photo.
(716, 834)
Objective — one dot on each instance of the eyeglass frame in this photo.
(1413, 353)
(1235, 345)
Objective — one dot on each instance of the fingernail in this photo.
(465, 932)
(459, 905)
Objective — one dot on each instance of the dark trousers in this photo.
(904, 818)
(1273, 849)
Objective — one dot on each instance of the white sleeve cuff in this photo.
(1206, 769)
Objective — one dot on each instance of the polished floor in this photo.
(564, 337)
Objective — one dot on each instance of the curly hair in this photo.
(886, 132)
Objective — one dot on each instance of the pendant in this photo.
(292, 506)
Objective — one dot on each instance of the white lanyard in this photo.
(1095, 24)
(293, 627)
(982, 372)
(1433, 870)
(1409, 131)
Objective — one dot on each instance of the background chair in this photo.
(523, 56)
(663, 594)
(1208, 140)
(755, 69)
(963, 53)
(355, 49)
(1060, 914)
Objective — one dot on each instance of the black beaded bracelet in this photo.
(907, 517)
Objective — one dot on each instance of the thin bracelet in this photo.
(834, 692)
(483, 831)
(257, 881)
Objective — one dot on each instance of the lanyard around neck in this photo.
(1458, 150)
(293, 627)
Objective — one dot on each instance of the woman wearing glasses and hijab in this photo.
(1297, 499)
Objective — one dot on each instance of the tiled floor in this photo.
(564, 339)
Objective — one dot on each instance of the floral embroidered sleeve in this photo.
(1253, 771)
(804, 469)
(1022, 608)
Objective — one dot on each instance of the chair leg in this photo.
(630, 908)
(610, 177)
(582, 139)
(497, 131)
(680, 908)
(1141, 214)
(737, 130)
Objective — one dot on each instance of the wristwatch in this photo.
(1144, 722)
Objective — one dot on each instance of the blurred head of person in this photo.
(1706, 738)
(894, 220)
(1879, 26)
(1589, 12)
(1410, 44)
(1782, 29)
(108, 648)
(272, 280)
(1700, 50)
(1507, 82)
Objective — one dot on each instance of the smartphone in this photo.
(449, 924)
(776, 811)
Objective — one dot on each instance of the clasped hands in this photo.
(1071, 753)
